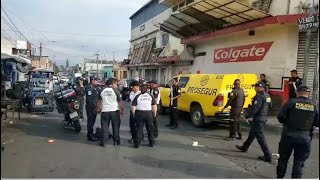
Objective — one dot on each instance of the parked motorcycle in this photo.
(67, 104)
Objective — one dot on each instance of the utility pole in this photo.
(114, 59)
(40, 55)
(97, 64)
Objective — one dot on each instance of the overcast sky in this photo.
(103, 26)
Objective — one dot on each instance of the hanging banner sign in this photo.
(308, 22)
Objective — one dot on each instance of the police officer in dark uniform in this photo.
(265, 83)
(236, 99)
(299, 116)
(144, 109)
(294, 82)
(259, 111)
(175, 93)
(155, 92)
(92, 91)
(79, 89)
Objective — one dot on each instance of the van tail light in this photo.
(219, 100)
(70, 104)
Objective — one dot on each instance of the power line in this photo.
(7, 38)
(31, 27)
(12, 28)
(14, 24)
(79, 34)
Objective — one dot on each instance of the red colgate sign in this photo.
(251, 52)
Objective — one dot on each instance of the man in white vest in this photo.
(111, 109)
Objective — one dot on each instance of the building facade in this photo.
(251, 36)
(155, 54)
(120, 72)
(44, 63)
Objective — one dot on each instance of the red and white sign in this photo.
(251, 52)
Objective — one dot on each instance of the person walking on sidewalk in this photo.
(294, 82)
(155, 92)
(259, 111)
(175, 93)
(132, 122)
(111, 109)
(299, 116)
(236, 99)
(144, 109)
(92, 91)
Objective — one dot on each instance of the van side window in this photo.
(183, 81)
(170, 83)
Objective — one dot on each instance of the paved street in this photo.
(28, 154)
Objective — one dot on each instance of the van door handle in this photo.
(183, 92)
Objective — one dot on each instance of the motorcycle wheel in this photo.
(77, 126)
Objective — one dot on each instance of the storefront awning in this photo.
(22, 65)
(208, 15)
(141, 52)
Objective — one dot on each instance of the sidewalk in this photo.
(274, 125)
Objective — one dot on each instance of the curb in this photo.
(277, 128)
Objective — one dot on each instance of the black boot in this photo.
(136, 145)
(91, 137)
(240, 136)
(242, 148)
(151, 143)
(101, 143)
(263, 158)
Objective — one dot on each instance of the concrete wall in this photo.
(147, 12)
(150, 25)
(44, 63)
(93, 66)
(280, 59)
(6, 46)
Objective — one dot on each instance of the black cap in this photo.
(153, 81)
(94, 78)
(303, 88)
(258, 84)
(135, 83)
(294, 71)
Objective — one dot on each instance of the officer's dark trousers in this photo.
(144, 117)
(301, 146)
(173, 116)
(234, 128)
(91, 119)
(133, 127)
(257, 131)
(81, 103)
(155, 124)
(114, 117)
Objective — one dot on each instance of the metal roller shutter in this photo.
(312, 59)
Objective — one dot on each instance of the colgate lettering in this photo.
(251, 52)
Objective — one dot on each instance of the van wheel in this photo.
(161, 110)
(197, 117)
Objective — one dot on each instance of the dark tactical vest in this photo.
(239, 101)
(301, 117)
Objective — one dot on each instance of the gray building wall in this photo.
(146, 13)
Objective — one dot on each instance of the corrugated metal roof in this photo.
(208, 15)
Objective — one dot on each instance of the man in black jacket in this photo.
(299, 116)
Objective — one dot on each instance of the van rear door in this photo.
(247, 80)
